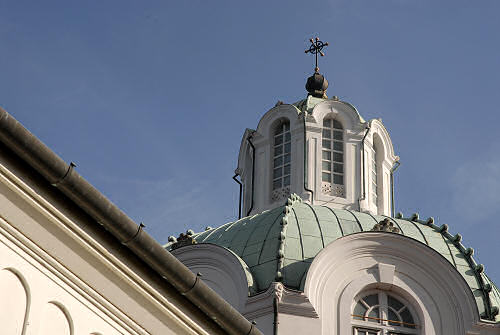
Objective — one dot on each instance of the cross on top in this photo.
(315, 48)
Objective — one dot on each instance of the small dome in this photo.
(316, 85)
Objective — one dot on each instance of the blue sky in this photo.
(150, 98)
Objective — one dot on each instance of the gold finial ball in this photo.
(311, 40)
(317, 38)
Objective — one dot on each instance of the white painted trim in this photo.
(443, 301)
(221, 269)
(341, 111)
(260, 305)
(296, 303)
(386, 274)
(268, 121)
(55, 217)
(377, 127)
(66, 280)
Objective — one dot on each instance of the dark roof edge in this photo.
(88, 198)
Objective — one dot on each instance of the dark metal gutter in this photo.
(306, 161)
(241, 187)
(88, 198)
(253, 171)
(276, 315)
(362, 169)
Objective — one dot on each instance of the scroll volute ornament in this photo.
(386, 225)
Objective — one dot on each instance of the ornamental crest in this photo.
(386, 225)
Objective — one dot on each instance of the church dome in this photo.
(280, 244)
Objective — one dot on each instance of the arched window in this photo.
(376, 181)
(281, 161)
(382, 313)
(374, 176)
(332, 164)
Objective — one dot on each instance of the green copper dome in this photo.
(280, 245)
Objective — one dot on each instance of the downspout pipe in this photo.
(107, 214)
(363, 179)
(305, 161)
(253, 173)
(276, 314)
(393, 169)
(239, 201)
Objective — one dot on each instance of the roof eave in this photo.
(63, 176)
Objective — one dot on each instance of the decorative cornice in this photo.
(184, 239)
(290, 302)
(296, 303)
(386, 225)
(95, 249)
(260, 304)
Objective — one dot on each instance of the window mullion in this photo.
(389, 309)
(384, 313)
(281, 161)
(332, 170)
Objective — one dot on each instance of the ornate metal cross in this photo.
(315, 48)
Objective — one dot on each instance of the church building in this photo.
(318, 248)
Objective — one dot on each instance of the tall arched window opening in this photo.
(282, 161)
(382, 313)
(374, 188)
(378, 186)
(332, 164)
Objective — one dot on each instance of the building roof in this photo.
(280, 245)
(108, 216)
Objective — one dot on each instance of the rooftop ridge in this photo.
(290, 202)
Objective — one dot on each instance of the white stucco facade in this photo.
(60, 273)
